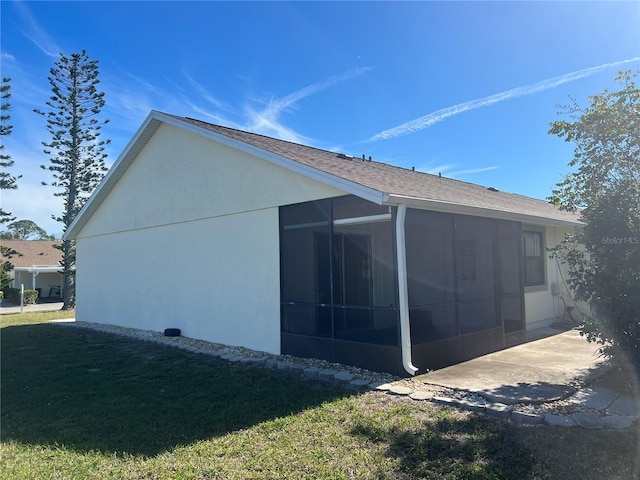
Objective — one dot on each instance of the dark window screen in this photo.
(338, 281)
(533, 253)
(451, 275)
(466, 259)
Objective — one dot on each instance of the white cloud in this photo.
(278, 106)
(450, 170)
(470, 171)
(31, 201)
(129, 99)
(440, 115)
(204, 93)
(36, 34)
(263, 124)
(267, 120)
(445, 167)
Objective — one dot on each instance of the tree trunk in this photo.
(67, 297)
(68, 292)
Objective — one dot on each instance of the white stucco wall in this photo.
(189, 239)
(216, 279)
(546, 304)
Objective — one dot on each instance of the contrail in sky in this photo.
(439, 115)
(267, 120)
(275, 107)
(36, 34)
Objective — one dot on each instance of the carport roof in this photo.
(376, 181)
(33, 253)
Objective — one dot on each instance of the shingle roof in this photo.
(396, 181)
(32, 253)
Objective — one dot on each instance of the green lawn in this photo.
(11, 319)
(83, 404)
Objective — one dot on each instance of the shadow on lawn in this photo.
(474, 447)
(89, 390)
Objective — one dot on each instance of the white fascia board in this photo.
(450, 207)
(117, 170)
(329, 179)
(38, 268)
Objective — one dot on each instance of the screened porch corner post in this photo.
(403, 291)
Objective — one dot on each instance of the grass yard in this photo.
(82, 404)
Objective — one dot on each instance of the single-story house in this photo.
(36, 265)
(246, 240)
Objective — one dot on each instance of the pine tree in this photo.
(76, 152)
(7, 181)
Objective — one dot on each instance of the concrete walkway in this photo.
(535, 372)
(523, 382)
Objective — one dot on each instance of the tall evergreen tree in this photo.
(7, 181)
(76, 152)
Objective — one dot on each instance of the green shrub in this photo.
(30, 297)
(13, 295)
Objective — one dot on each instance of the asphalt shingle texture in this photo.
(33, 252)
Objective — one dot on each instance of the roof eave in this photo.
(38, 268)
(450, 207)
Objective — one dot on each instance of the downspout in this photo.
(403, 295)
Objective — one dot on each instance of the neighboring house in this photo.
(250, 241)
(36, 266)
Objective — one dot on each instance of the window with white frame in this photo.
(533, 254)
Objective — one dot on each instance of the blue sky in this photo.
(467, 89)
